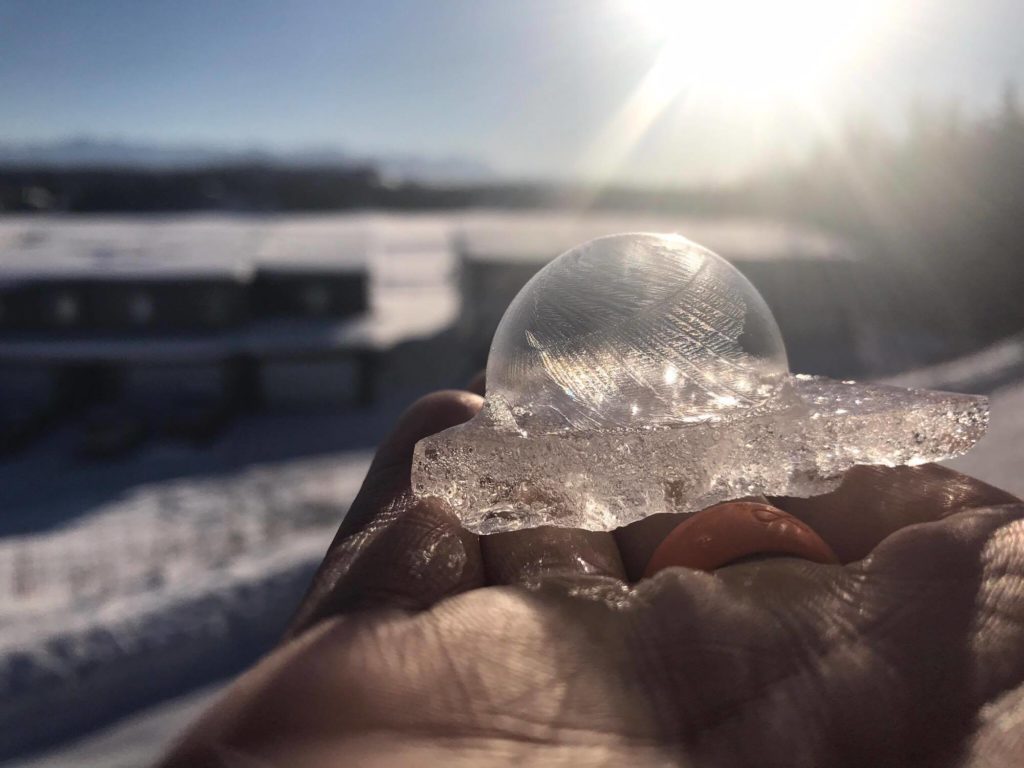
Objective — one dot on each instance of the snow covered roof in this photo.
(405, 262)
(539, 238)
(173, 247)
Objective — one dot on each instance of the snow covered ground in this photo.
(132, 743)
(135, 580)
(165, 586)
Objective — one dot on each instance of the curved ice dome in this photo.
(642, 373)
(635, 330)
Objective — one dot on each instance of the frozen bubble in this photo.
(642, 373)
(635, 330)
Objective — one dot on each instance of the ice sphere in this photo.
(634, 331)
(642, 373)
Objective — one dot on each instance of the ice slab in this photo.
(642, 373)
(498, 478)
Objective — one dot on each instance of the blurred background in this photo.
(238, 238)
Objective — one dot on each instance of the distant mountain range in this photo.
(94, 153)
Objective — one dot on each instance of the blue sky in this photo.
(528, 86)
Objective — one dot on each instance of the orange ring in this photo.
(724, 533)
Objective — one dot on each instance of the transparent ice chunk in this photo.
(642, 373)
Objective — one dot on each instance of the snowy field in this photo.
(130, 581)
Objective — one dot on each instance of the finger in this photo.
(478, 384)
(874, 502)
(871, 503)
(388, 476)
(392, 548)
(421, 557)
(534, 555)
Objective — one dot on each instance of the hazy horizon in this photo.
(565, 90)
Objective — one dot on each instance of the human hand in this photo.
(420, 643)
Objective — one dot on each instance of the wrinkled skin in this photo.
(421, 644)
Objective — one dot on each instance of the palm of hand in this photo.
(888, 659)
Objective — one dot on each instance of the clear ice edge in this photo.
(498, 477)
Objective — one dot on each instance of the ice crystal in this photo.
(641, 373)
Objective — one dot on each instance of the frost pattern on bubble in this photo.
(642, 373)
(634, 331)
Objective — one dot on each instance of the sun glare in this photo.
(756, 48)
(751, 59)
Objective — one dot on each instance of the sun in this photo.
(754, 49)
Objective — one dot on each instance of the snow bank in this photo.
(179, 583)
